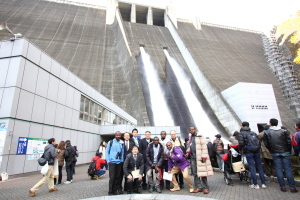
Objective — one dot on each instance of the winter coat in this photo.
(297, 147)
(178, 159)
(219, 146)
(70, 154)
(112, 151)
(265, 152)
(211, 149)
(50, 154)
(150, 156)
(61, 157)
(99, 162)
(278, 140)
(203, 169)
(242, 138)
(129, 164)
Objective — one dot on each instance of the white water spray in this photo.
(160, 109)
(202, 122)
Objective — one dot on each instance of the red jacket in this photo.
(99, 161)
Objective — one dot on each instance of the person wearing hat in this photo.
(70, 154)
(233, 139)
(219, 147)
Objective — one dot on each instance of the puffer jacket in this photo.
(61, 157)
(277, 140)
(178, 159)
(242, 139)
(219, 146)
(203, 169)
(50, 154)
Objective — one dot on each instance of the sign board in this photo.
(3, 131)
(33, 147)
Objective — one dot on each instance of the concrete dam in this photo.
(102, 45)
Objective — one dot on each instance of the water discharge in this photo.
(160, 109)
(201, 120)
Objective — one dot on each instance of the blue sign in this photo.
(22, 145)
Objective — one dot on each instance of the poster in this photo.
(33, 147)
(3, 130)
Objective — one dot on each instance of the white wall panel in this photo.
(76, 104)
(35, 130)
(39, 108)
(62, 93)
(55, 68)
(15, 72)
(75, 119)
(4, 65)
(3, 167)
(9, 102)
(59, 115)
(9, 135)
(57, 134)
(48, 131)
(16, 164)
(30, 165)
(34, 54)
(50, 112)
(53, 88)
(1, 94)
(80, 141)
(6, 49)
(74, 138)
(25, 105)
(71, 79)
(68, 118)
(66, 135)
(78, 83)
(45, 62)
(70, 96)
(30, 76)
(20, 47)
(21, 129)
(42, 83)
(64, 74)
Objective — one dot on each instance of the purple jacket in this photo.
(178, 160)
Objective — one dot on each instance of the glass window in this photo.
(82, 103)
(91, 111)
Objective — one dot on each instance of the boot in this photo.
(158, 189)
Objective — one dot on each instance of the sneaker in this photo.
(254, 186)
(32, 193)
(53, 190)
(263, 186)
(67, 182)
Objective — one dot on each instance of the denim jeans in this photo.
(100, 172)
(254, 161)
(282, 161)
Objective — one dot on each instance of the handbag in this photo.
(44, 169)
(42, 160)
(238, 166)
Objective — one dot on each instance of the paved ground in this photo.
(82, 188)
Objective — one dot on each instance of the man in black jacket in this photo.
(70, 154)
(278, 142)
(134, 161)
(155, 157)
(143, 149)
(249, 143)
(49, 154)
(128, 144)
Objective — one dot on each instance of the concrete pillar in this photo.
(133, 14)
(111, 11)
(171, 13)
(197, 23)
(149, 16)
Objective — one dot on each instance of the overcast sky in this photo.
(258, 15)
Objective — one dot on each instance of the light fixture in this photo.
(4, 26)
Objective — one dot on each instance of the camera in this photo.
(119, 155)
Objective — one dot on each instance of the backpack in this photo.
(294, 142)
(253, 142)
(92, 168)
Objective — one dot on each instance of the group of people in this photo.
(145, 163)
(64, 154)
(141, 163)
(276, 146)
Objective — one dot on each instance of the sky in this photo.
(259, 15)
